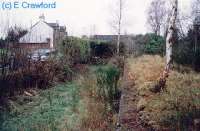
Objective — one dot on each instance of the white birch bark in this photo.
(119, 27)
(169, 42)
(169, 38)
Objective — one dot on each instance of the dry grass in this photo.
(146, 68)
(174, 108)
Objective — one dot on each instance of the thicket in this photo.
(80, 51)
(186, 51)
(75, 50)
(18, 71)
(147, 44)
(102, 49)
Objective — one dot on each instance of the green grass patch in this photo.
(54, 109)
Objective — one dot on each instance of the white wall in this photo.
(39, 34)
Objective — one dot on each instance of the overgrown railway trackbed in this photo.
(128, 116)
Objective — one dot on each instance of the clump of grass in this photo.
(107, 84)
(174, 108)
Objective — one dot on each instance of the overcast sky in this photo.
(81, 16)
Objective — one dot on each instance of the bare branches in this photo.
(117, 20)
(5, 23)
(156, 15)
(196, 7)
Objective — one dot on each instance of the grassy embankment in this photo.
(177, 107)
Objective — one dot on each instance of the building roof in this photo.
(53, 25)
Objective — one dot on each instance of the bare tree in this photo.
(169, 42)
(195, 7)
(117, 20)
(157, 16)
(119, 25)
(5, 23)
(15, 33)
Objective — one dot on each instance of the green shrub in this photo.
(154, 44)
(107, 83)
(75, 50)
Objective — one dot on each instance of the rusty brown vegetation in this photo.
(176, 107)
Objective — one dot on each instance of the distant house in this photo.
(43, 35)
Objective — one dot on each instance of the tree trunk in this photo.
(119, 27)
(170, 39)
(169, 42)
(118, 42)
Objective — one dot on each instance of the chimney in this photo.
(42, 17)
(57, 22)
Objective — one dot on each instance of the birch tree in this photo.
(169, 43)
(117, 19)
(119, 25)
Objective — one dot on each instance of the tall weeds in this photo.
(107, 83)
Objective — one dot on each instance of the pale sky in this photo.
(81, 16)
